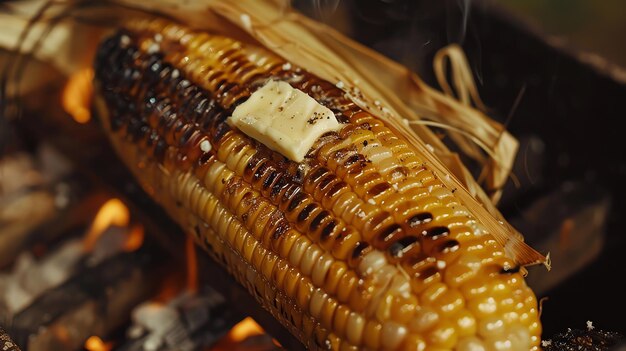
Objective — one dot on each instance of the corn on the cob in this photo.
(360, 246)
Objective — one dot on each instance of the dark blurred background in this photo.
(597, 26)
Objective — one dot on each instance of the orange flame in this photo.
(244, 329)
(114, 213)
(94, 343)
(134, 239)
(171, 286)
(240, 332)
(77, 95)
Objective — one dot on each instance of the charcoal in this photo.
(6, 344)
(590, 339)
(188, 322)
(94, 301)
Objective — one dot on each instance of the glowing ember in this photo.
(113, 212)
(94, 343)
(134, 239)
(171, 286)
(244, 329)
(77, 95)
(241, 335)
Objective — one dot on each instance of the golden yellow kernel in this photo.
(425, 319)
(414, 343)
(371, 334)
(465, 323)
(340, 320)
(432, 293)
(404, 308)
(482, 307)
(355, 327)
(444, 335)
(392, 335)
(450, 302)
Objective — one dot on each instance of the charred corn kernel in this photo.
(358, 246)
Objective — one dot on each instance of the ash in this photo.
(588, 339)
(188, 322)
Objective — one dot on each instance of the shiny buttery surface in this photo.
(359, 246)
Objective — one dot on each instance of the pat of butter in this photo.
(284, 119)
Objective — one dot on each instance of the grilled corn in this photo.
(357, 246)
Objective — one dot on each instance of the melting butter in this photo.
(284, 119)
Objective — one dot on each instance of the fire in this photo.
(244, 329)
(77, 95)
(114, 213)
(94, 343)
(134, 239)
(241, 331)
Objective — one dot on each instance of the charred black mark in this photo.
(315, 223)
(289, 193)
(361, 248)
(219, 133)
(306, 212)
(352, 160)
(260, 171)
(297, 199)
(449, 246)
(328, 229)
(167, 118)
(419, 219)
(153, 137)
(510, 270)
(159, 150)
(270, 179)
(378, 189)
(326, 180)
(206, 157)
(281, 228)
(278, 186)
(436, 232)
(402, 246)
(251, 165)
(186, 135)
(336, 188)
(317, 174)
(134, 129)
(428, 272)
(377, 219)
(389, 233)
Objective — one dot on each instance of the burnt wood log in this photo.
(94, 302)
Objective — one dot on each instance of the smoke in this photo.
(324, 9)
(458, 13)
